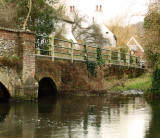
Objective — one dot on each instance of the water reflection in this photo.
(154, 126)
(4, 110)
(79, 117)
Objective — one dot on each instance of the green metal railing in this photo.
(56, 48)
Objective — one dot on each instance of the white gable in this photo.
(134, 46)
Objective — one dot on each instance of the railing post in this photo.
(129, 56)
(71, 51)
(110, 56)
(135, 61)
(86, 51)
(51, 48)
(38, 51)
(119, 57)
(140, 62)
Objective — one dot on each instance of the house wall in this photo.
(108, 34)
(139, 52)
(66, 30)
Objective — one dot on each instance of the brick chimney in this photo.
(96, 7)
(100, 8)
(70, 8)
(92, 19)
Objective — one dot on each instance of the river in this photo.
(81, 117)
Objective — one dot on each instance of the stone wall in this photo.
(7, 43)
(74, 77)
(22, 45)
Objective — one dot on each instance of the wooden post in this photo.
(140, 62)
(129, 56)
(110, 56)
(38, 51)
(51, 48)
(135, 61)
(71, 51)
(119, 57)
(86, 51)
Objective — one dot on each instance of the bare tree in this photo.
(91, 33)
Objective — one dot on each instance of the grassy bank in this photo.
(142, 83)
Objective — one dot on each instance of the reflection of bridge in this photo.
(21, 68)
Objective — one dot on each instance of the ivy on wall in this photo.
(91, 65)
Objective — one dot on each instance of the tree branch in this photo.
(30, 8)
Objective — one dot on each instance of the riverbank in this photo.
(116, 87)
(142, 83)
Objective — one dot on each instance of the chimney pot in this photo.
(70, 8)
(100, 7)
(96, 7)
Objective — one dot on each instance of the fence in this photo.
(48, 46)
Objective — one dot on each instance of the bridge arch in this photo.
(47, 88)
(4, 93)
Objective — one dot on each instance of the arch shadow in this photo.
(5, 108)
(4, 93)
(47, 88)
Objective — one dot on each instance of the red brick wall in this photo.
(22, 44)
(139, 53)
(27, 54)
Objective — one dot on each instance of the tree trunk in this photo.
(25, 22)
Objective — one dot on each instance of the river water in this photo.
(81, 117)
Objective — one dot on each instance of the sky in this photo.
(132, 10)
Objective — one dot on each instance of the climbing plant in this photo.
(91, 65)
(99, 57)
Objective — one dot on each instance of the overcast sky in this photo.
(133, 10)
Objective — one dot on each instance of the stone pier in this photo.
(17, 63)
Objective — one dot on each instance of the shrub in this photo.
(156, 82)
(9, 61)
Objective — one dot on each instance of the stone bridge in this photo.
(27, 75)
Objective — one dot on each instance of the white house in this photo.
(94, 17)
